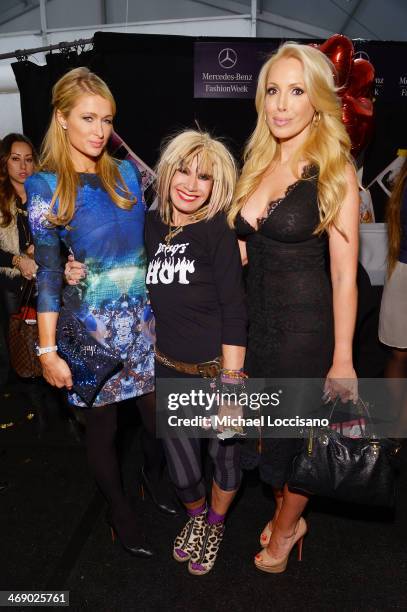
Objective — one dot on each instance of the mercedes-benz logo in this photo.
(362, 55)
(227, 58)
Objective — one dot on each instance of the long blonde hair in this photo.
(214, 160)
(327, 146)
(56, 156)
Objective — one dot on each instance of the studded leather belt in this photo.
(206, 369)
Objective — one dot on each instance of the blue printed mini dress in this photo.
(111, 301)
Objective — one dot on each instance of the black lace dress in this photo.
(289, 298)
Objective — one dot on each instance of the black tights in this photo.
(153, 450)
(101, 428)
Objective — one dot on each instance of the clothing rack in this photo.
(22, 54)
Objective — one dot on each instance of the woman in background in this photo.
(18, 160)
(393, 310)
(17, 265)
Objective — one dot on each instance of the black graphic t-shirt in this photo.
(196, 290)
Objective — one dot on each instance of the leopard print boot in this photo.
(206, 549)
(186, 541)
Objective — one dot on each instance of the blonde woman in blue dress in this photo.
(86, 202)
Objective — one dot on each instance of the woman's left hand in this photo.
(74, 271)
(341, 381)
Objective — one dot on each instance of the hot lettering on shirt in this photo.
(171, 268)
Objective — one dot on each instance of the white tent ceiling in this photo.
(370, 19)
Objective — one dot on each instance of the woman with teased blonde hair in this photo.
(296, 214)
(214, 160)
(194, 279)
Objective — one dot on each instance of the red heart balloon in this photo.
(361, 79)
(357, 115)
(340, 51)
(356, 79)
(359, 106)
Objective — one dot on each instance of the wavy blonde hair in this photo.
(56, 155)
(214, 160)
(327, 146)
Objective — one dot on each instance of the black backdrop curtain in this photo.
(151, 77)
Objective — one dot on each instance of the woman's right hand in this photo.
(27, 267)
(56, 371)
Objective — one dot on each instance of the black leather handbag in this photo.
(351, 470)
(91, 363)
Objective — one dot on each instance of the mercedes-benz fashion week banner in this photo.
(230, 69)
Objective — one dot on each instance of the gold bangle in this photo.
(233, 373)
(17, 261)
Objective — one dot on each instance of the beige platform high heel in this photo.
(273, 565)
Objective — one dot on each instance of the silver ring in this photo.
(34, 275)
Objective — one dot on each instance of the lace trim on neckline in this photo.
(307, 172)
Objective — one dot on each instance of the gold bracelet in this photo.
(17, 261)
(233, 373)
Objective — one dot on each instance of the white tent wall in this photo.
(78, 13)
(10, 114)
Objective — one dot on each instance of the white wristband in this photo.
(42, 350)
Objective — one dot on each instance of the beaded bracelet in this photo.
(232, 377)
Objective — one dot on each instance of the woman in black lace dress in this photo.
(296, 213)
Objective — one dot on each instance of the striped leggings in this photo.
(185, 462)
(185, 465)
